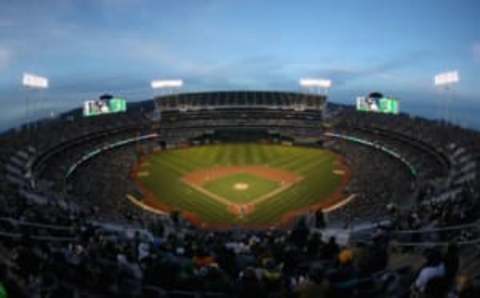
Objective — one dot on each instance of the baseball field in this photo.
(241, 184)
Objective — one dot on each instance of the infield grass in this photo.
(256, 187)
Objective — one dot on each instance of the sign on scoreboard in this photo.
(104, 106)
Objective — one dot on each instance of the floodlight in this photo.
(447, 78)
(156, 84)
(34, 81)
(320, 83)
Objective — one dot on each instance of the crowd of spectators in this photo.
(431, 217)
(186, 262)
(377, 180)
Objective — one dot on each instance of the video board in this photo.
(104, 106)
(385, 105)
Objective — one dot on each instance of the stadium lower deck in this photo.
(64, 186)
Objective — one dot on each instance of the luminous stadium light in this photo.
(34, 81)
(447, 78)
(166, 84)
(321, 83)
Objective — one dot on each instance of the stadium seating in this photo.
(78, 236)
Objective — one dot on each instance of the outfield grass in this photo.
(168, 167)
(225, 187)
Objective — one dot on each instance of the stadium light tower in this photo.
(317, 86)
(445, 81)
(162, 88)
(32, 82)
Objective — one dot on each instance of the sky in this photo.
(88, 47)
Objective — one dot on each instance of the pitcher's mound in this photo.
(240, 186)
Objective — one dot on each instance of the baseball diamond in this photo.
(241, 184)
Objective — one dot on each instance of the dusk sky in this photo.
(88, 47)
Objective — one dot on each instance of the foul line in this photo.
(134, 200)
(216, 197)
(339, 204)
(275, 192)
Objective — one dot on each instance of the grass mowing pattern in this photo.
(257, 186)
(315, 165)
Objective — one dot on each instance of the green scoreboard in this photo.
(117, 105)
(104, 106)
(387, 105)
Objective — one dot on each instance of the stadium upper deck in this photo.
(241, 99)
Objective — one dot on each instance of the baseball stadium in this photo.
(239, 149)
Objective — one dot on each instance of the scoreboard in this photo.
(387, 105)
(104, 106)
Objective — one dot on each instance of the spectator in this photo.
(331, 249)
(320, 219)
(433, 269)
(465, 288)
(250, 286)
(452, 261)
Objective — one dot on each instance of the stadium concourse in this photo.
(68, 229)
